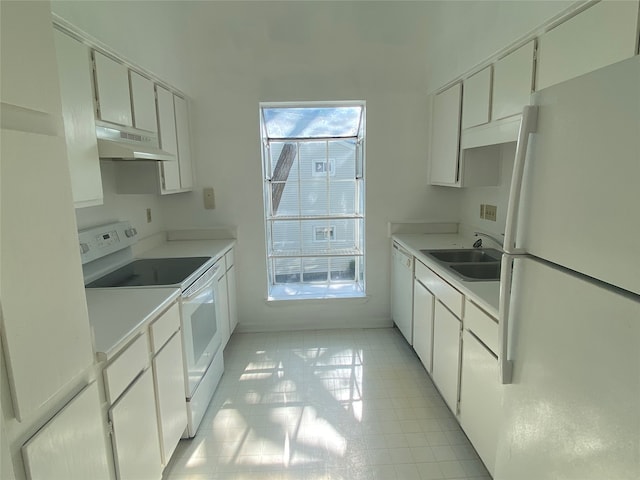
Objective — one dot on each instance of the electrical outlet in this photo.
(482, 214)
(148, 215)
(209, 198)
(490, 212)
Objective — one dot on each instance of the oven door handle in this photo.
(204, 282)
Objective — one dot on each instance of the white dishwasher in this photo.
(402, 298)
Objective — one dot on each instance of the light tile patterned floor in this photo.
(334, 405)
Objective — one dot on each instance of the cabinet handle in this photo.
(528, 124)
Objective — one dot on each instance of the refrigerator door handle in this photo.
(506, 278)
(528, 124)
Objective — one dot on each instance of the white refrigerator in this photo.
(570, 298)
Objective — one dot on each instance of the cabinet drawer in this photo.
(448, 295)
(164, 327)
(229, 258)
(482, 325)
(126, 367)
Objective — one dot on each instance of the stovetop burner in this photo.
(151, 272)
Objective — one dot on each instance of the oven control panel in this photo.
(98, 242)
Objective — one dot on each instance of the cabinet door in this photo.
(604, 34)
(74, 71)
(446, 354)
(47, 343)
(170, 171)
(476, 99)
(222, 309)
(143, 100)
(136, 445)
(112, 89)
(445, 136)
(232, 296)
(184, 142)
(168, 372)
(72, 445)
(402, 293)
(423, 301)
(513, 82)
(480, 398)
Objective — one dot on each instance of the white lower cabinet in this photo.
(168, 375)
(480, 398)
(423, 304)
(480, 389)
(446, 354)
(168, 380)
(135, 432)
(147, 410)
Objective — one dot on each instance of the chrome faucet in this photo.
(478, 243)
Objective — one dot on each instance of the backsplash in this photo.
(117, 207)
(473, 197)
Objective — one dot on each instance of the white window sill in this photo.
(310, 292)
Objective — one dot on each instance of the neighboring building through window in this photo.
(313, 166)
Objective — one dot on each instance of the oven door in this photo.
(200, 330)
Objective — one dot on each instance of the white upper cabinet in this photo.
(476, 101)
(184, 142)
(112, 90)
(513, 82)
(143, 100)
(170, 171)
(74, 71)
(601, 35)
(445, 136)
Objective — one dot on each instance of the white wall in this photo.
(461, 34)
(245, 53)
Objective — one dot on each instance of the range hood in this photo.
(123, 143)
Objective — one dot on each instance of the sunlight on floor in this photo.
(348, 404)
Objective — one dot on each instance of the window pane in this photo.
(343, 153)
(342, 197)
(316, 122)
(317, 235)
(313, 161)
(314, 198)
(315, 270)
(287, 270)
(343, 269)
(284, 198)
(285, 237)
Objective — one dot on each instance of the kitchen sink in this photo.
(470, 264)
(477, 271)
(465, 255)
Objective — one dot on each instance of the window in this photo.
(313, 165)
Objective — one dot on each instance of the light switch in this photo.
(209, 199)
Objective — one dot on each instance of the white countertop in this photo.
(486, 294)
(117, 315)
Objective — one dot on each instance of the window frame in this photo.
(355, 258)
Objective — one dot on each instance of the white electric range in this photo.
(108, 263)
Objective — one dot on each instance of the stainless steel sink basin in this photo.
(466, 255)
(470, 264)
(477, 271)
